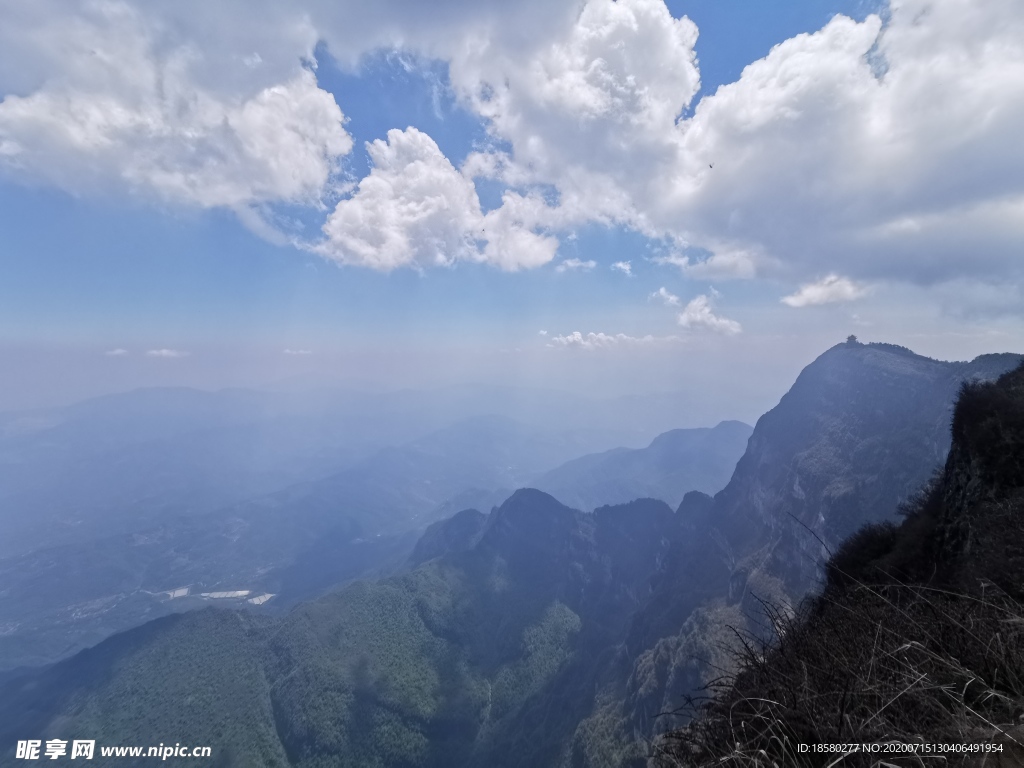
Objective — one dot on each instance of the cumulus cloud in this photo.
(841, 150)
(119, 352)
(416, 209)
(829, 290)
(167, 353)
(881, 151)
(123, 105)
(587, 109)
(663, 295)
(575, 265)
(593, 341)
(624, 267)
(699, 315)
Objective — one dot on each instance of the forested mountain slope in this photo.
(483, 655)
(295, 543)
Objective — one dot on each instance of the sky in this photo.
(604, 197)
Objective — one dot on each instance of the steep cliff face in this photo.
(863, 428)
(982, 501)
(919, 633)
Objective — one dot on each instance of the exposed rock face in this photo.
(919, 631)
(864, 427)
(862, 430)
(982, 487)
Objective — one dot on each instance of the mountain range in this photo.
(675, 463)
(293, 543)
(536, 634)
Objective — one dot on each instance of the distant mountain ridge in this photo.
(296, 542)
(675, 463)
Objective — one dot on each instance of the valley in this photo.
(297, 542)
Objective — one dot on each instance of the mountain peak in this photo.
(862, 428)
(457, 533)
(530, 500)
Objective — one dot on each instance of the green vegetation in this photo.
(451, 663)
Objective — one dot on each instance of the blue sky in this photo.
(761, 228)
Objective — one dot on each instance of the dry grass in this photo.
(889, 664)
(911, 641)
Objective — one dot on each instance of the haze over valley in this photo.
(550, 384)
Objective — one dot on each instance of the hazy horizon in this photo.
(707, 379)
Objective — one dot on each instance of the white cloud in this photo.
(725, 263)
(119, 352)
(662, 294)
(881, 152)
(167, 353)
(122, 105)
(593, 341)
(512, 243)
(587, 108)
(624, 267)
(542, 333)
(699, 315)
(415, 209)
(830, 289)
(575, 265)
(298, 352)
